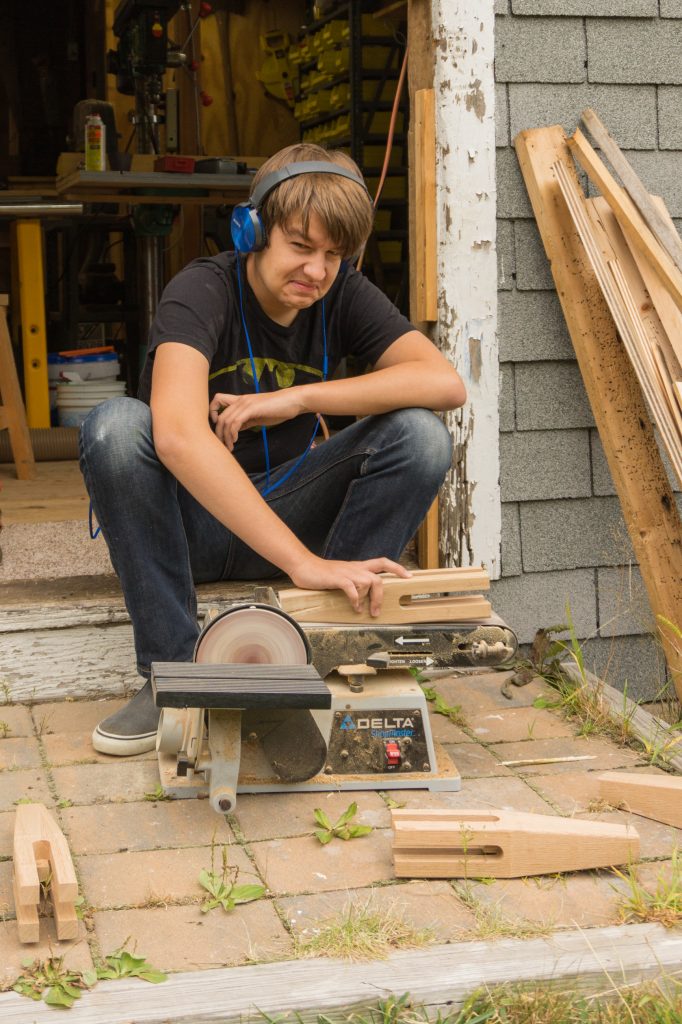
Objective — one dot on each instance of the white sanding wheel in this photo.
(252, 635)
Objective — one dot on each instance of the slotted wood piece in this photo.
(40, 852)
(439, 843)
(653, 796)
(430, 595)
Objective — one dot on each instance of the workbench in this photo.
(135, 187)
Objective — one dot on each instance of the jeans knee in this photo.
(428, 442)
(115, 434)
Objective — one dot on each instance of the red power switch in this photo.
(393, 755)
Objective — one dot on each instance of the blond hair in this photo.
(343, 207)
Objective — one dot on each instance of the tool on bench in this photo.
(276, 701)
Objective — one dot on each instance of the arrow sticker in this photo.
(411, 640)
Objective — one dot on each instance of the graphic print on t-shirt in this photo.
(284, 373)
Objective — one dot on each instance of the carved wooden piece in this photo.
(438, 843)
(653, 796)
(41, 853)
(404, 601)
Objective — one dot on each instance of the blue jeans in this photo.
(361, 494)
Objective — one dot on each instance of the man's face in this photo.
(295, 269)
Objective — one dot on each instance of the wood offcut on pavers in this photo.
(138, 859)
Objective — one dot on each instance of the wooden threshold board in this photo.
(440, 977)
(56, 495)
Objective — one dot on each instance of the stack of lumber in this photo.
(636, 253)
(616, 260)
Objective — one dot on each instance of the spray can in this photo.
(95, 148)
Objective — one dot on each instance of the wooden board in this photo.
(629, 217)
(664, 369)
(663, 229)
(666, 307)
(438, 843)
(425, 194)
(428, 554)
(653, 796)
(438, 977)
(404, 600)
(12, 411)
(618, 407)
(56, 494)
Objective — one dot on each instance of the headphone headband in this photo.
(248, 231)
(271, 181)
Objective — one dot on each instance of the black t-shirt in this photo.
(200, 308)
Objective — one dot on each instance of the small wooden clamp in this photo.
(41, 854)
(437, 843)
(429, 595)
(653, 796)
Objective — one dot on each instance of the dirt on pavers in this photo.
(139, 858)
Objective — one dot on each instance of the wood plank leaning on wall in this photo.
(615, 396)
(419, 78)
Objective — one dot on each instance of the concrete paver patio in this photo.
(138, 858)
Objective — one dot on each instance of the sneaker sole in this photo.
(123, 746)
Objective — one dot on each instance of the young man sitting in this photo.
(212, 472)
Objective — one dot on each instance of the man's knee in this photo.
(427, 441)
(116, 433)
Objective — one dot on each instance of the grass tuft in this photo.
(663, 904)
(363, 932)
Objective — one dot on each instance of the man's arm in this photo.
(189, 449)
(410, 373)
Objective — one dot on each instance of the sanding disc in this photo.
(254, 634)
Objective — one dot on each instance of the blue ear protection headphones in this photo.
(246, 226)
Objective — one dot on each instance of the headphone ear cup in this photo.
(246, 228)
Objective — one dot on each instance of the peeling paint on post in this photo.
(467, 274)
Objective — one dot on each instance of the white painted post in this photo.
(463, 33)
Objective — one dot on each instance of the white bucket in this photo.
(74, 401)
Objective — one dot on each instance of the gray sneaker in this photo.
(132, 729)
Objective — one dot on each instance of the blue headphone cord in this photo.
(269, 488)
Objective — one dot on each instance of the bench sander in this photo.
(294, 691)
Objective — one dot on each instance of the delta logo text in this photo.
(381, 727)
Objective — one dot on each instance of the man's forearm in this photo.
(394, 387)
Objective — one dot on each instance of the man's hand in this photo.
(232, 413)
(356, 579)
